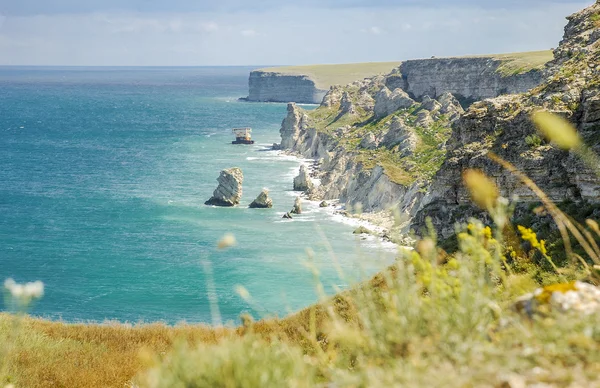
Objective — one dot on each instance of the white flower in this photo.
(26, 292)
(35, 289)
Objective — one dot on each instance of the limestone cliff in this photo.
(503, 125)
(469, 79)
(389, 149)
(280, 87)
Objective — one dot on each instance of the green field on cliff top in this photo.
(342, 74)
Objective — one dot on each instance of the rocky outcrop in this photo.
(271, 86)
(302, 182)
(291, 127)
(388, 102)
(297, 209)
(262, 201)
(470, 79)
(400, 135)
(346, 105)
(501, 125)
(229, 191)
(402, 153)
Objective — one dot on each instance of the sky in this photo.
(271, 32)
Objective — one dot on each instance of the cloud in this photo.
(249, 33)
(33, 7)
(224, 38)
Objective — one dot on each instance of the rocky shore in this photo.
(382, 147)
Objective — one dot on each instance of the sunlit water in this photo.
(103, 177)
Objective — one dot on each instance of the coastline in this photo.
(382, 226)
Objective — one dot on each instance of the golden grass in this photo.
(56, 354)
(516, 63)
(325, 76)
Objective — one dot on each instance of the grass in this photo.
(325, 76)
(328, 75)
(518, 63)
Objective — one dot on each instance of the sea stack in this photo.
(262, 201)
(297, 206)
(302, 182)
(229, 191)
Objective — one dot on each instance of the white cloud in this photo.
(249, 33)
(372, 30)
(213, 38)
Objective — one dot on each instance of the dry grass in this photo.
(56, 354)
(325, 76)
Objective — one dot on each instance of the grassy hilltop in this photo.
(325, 76)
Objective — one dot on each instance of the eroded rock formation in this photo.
(262, 201)
(302, 182)
(229, 190)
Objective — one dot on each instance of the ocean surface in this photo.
(103, 177)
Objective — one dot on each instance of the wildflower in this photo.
(557, 130)
(24, 293)
(483, 191)
(33, 290)
(227, 241)
(530, 236)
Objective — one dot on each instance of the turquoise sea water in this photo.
(103, 177)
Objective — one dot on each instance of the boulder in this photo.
(430, 104)
(368, 142)
(388, 102)
(402, 135)
(229, 191)
(287, 216)
(262, 201)
(302, 182)
(323, 204)
(424, 119)
(346, 105)
(362, 230)
(450, 106)
(297, 206)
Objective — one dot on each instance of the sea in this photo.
(103, 177)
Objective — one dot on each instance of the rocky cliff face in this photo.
(278, 87)
(468, 79)
(503, 126)
(378, 147)
(229, 190)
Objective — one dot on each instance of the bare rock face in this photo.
(368, 142)
(333, 96)
(500, 125)
(450, 106)
(346, 105)
(388, 102)
(402, 135)
(365, 101)
(291, 127)
(262, 201)
(302, 182)
(229, 191)
(297, 209)
(430, 104)
(424, 119)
